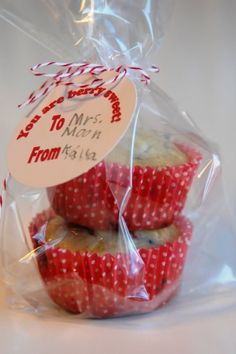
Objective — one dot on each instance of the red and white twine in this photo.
(2, 193)
(69, 71)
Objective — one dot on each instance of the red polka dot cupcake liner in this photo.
(111, 285)
(157, 196)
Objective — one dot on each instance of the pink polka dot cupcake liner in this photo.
(157, 196)
(111, 284)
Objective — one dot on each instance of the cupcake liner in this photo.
(157, 196)
(86, 200)
(111, 285)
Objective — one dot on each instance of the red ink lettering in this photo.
(22, 135)
(58, 122)
(38, 154)
(52, 105)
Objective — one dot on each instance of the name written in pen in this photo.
(79, 153)
(77, 127)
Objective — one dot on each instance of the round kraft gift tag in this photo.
(70, 131)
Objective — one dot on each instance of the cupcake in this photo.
(88, 272)
(162, 175)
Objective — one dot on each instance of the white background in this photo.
(198, 68)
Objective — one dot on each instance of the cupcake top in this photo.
(150, 149)
(78, 238)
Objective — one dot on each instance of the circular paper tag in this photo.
(69, 132)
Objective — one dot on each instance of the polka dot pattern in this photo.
(158, 195)
(112, 285)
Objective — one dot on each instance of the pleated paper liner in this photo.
(86, 200)
(111, 285)
(157, 196)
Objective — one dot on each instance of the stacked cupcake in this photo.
(101, 256)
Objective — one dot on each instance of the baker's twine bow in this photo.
(65, 76)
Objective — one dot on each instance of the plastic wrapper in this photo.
(115, 240)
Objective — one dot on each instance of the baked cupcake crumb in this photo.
(150, 149)
(78, 238)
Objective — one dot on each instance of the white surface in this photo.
(197, 61)
(23, 333)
